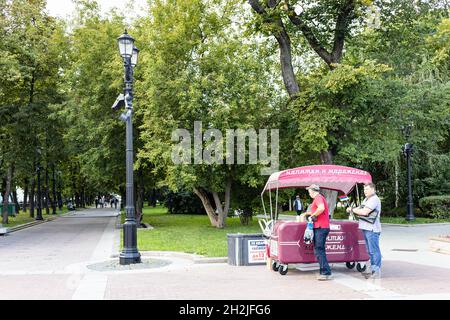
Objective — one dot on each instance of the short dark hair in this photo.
(370, 184)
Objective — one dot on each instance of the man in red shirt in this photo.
(320, 214)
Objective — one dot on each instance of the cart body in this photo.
(345, 243)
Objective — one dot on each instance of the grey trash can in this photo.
(246, 249)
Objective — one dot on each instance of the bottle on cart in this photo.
(309, 232)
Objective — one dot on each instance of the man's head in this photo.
(313, 190)
(369, 189)
(298, 197)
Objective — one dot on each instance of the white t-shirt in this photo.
(372, 203)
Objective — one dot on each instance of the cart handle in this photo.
(266, 227)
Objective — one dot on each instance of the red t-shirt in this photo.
(323, 219)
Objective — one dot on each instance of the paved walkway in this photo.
(49, 261)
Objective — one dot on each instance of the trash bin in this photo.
(246, 249)
(11, 209)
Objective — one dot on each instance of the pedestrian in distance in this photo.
(319, 213)
(369, 222)
(96, 202)
(298, 207)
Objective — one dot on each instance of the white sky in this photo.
(64, 8)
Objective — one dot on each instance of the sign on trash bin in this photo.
(256, 251)
(246, 249)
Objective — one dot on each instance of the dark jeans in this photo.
(320, 236)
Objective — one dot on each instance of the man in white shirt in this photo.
(371, 229)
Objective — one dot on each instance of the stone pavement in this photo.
(55, 260)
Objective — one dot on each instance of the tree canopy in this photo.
(336, 79)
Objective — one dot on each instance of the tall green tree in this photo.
(198, 68)
(31, 61)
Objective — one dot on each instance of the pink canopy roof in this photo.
(332, 177)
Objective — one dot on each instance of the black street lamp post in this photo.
(408, 151)
(129, 53)
(39, 193)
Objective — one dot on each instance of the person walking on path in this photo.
(320, 215)
(369, 222)
(298, 205)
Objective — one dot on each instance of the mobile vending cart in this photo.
(345, 242)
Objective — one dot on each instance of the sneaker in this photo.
(373, 275)
(324, 277)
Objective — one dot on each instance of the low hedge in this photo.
(436, 206)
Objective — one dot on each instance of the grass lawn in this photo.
(188, 233)
(24, 217)
(401, 220)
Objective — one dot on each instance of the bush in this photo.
(183, 203)
(401, 212)
(436, 206)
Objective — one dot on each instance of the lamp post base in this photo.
(129, 258)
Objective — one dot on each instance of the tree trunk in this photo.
(152, 198)
(123, 197)
(284, 44)
(47, 208)
(331, 197)
(54, 190)
(6, 194)
(140, 194)
(213, 218)
(25, 195)
(83, 198)
(32, 196)
(77, 200)
(16, 201)
(326, 157)
(396, 185)
(217, 218)
(60, 202)
(220, 212)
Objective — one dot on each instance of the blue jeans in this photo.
(320, 236)
(373, 248)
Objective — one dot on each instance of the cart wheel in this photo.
(275, 266)
(283, 269)
(360, 268)
(350, 265)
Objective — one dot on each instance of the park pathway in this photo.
(50, 261)
(47, 261)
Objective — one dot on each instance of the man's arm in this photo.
(319, 210)
(361, 211)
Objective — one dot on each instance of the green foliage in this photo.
(93, 78)
(183, 203)
(436, 206)
(198, 68)
(336, 105)
(202, 61)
